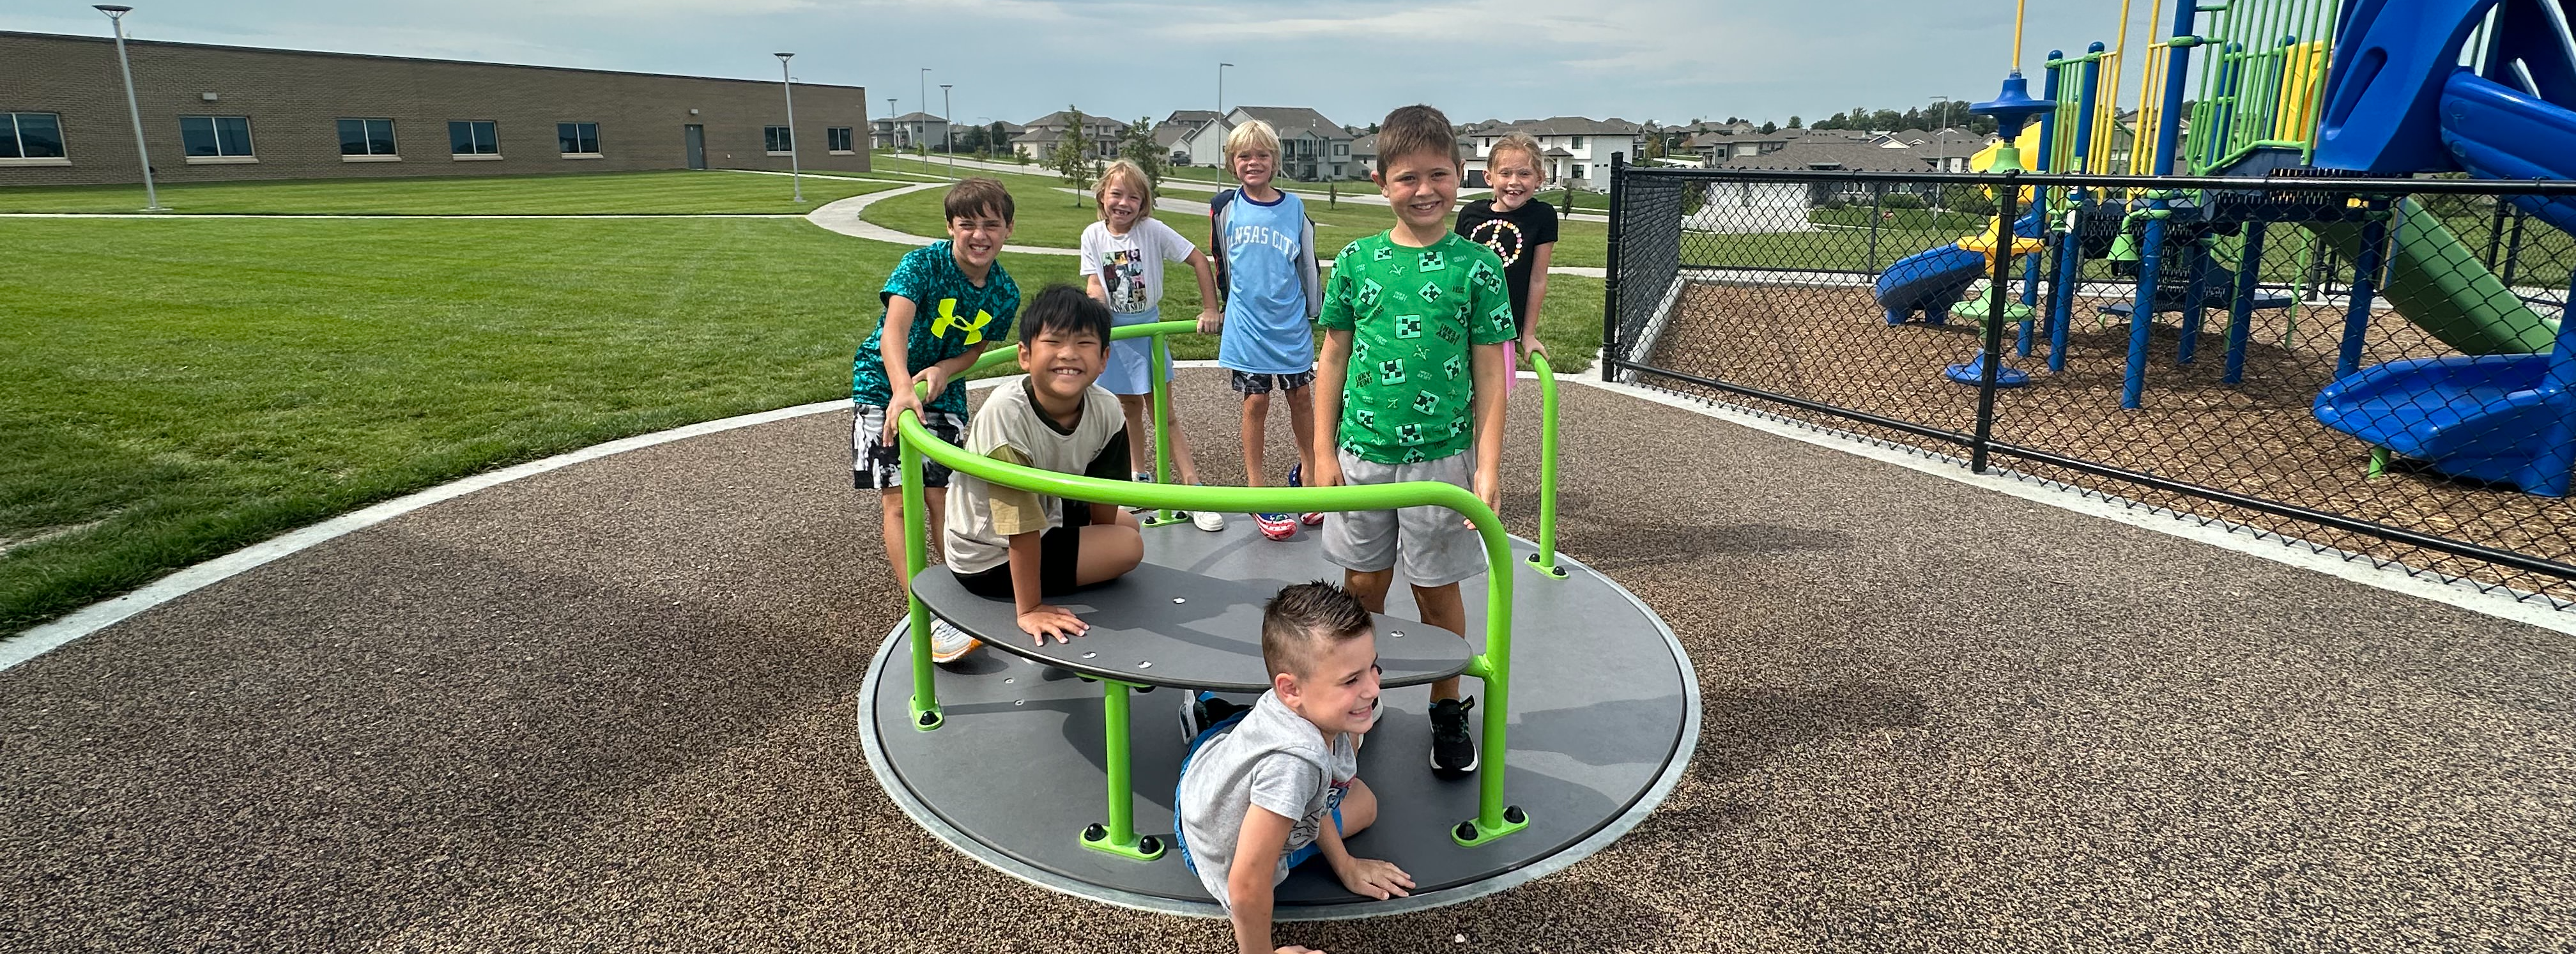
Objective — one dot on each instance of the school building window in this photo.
(362, 140)
(579, 140)
(781, 142)
(32, 139)
(837, 138)
(215, 138)
(473, 138)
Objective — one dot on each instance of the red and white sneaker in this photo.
(1276, 526)
(1312, 519)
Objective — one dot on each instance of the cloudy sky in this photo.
(1670, 60)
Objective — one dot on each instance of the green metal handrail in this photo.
(1545, 559)
(1493, 819)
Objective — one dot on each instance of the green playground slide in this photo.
(2440, 285)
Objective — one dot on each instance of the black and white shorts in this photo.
(1248, 384)
(876, 465)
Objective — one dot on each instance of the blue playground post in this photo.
(2070, 250)
(2178, 45)
(2195, 257)
(2356, 318)
(2039, 201)
(2151, 263)
(2240, 313)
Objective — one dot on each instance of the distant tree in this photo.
(1654, 146)
(1769, 127)
(1069, 161)
(1137, 145)
(1796, 123)
(1732, 120)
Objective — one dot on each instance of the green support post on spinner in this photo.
(916, 555)
(1118, 836)
(1545, 559)
(1159, 357)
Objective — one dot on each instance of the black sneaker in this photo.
(1453, 748)
(1202, 709)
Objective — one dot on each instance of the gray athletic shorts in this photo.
(1432, 545)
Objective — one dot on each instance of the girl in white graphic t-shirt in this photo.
(1122, 262)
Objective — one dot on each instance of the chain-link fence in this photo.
(2369, 365)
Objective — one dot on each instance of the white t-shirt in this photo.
(1130, 266)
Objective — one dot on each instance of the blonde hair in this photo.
(1135, 175)
(1253, 135)
(1518, 141)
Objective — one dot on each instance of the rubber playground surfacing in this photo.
(611, 706)
(1831, 344)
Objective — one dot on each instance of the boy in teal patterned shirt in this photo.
(1411, 379)
(946, 303)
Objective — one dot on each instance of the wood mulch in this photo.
(2258, 438)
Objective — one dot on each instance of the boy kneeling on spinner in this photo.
(1258, 787)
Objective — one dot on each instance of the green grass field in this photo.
(693, 193)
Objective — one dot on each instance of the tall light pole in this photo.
(795, 170)
(1941, 148)
(948, 130)
(925, 107)
(116, 16)
(894, 123)
(1220, 90)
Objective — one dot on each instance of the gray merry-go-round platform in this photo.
(1603, 716)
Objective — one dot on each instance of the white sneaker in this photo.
(1208, 520)
(949, 644)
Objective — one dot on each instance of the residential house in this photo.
(1180, 135)
(1311, 147)
(1948, 149)
(1573, 150)
(1363, 155)
(1783, 206)
(905, 131)
(1038, 137)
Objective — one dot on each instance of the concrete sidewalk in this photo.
(609, 706)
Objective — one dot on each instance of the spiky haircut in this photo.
(1068, 310)
(1305, 618)
(1415, 130)
(979, 195)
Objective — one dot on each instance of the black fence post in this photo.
(1998, 299)
(1610, 353)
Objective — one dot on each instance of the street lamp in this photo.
(1220, 90)
(1941, 143)
(894, 124)
(924, 102)
(795, 171)
(948, 130)
(116, 16)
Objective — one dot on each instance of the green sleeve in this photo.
(1489, 302)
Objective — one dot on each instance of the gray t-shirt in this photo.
(1274, 758)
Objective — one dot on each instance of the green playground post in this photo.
(1545, 558)
(1494, 819)
(916, 555)
(1119, 836)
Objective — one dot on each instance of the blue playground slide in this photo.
(1934, 280)
(2509, 418)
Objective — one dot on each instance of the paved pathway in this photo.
(842, 216)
